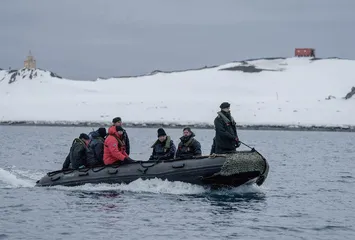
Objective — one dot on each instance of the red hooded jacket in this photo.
(114, 147)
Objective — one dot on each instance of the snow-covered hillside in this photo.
(283, 92)
(12, 76)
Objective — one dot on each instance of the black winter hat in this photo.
(116, 119)
(161, 132)
(84, 136)
(119, 128)
(102, 132)
(224, 105)
(188, 129)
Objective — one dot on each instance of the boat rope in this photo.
(147, 167)
(252, 149)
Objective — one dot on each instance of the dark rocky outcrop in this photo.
(351, 93)
(264, 58)
(316, 59)
(31, 74)
(14, 75)
(53, 75)
(330, 97)
(246, 69)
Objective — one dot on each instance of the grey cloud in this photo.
(85, 39)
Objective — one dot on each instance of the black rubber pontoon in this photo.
(235, 169)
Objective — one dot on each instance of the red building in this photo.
(305, 52)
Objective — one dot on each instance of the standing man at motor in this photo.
(226, 140)
(117, 121)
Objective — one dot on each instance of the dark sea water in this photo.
(309, 193)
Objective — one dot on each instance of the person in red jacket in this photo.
(114, 147)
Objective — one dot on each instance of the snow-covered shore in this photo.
(291, 93)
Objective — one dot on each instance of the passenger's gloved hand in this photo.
(237, 142)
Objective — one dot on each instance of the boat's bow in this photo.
(239, 168)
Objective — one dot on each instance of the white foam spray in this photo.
(11, 179)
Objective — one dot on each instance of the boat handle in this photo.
(55, 178)
(143, 171)
(179, 166)
(83, 174)
(98, 170)
(112, 172)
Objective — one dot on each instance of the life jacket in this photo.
(226, 120)
(121, 144)
(185, 146)
(166, 147)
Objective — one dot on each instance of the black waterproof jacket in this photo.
(226, 133)
(77, 156)
(188, 147)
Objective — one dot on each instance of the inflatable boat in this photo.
(217, 170)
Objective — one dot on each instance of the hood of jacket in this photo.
(78, 140)
(112, 131)
(94, 134)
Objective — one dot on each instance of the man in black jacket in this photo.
(95, 152)
(188, 147)
(226, 132)
(163, 148)
(77, 156)
(117, 121)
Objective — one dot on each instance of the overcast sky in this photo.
(86, 39)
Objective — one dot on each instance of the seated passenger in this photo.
(95, 152)
(163, 148)
(114, 147)
(189, 147)
(77, 157)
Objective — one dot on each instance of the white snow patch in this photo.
(294, 96)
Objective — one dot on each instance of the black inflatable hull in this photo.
(215, 171)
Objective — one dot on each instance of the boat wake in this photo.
(140, 186)
(14, 179)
